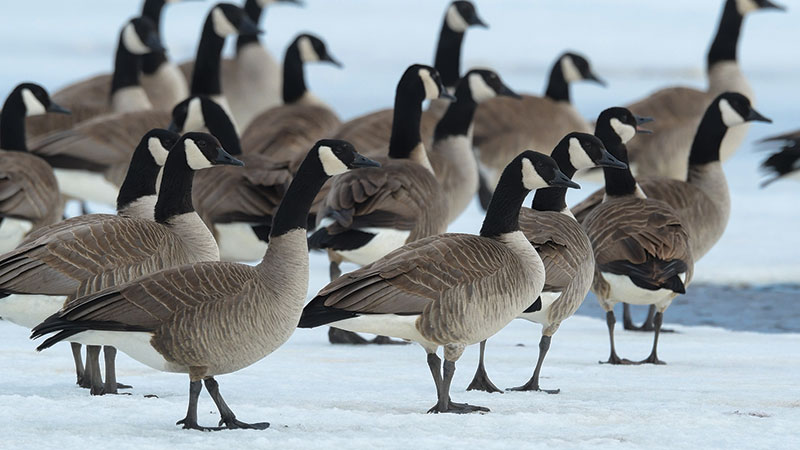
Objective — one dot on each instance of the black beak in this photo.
(592, 77)
(767, 4)
(225, 158)
(56, 108)
(478, 22)
(154, 44)
(443, 94)
(173, 127)
(506, 91)
(642, 120)
(608, 160)
(362, 161)
(248, 28)
(755, 116)
(333, 61)
(561, 180)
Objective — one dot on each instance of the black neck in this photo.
(206, 75)
(293, 210)
(405, 125)
(555, 198)
(175, 195)
(141, 178)
(619, 182)
(502, 216)
(448, 55)
(724, 46)
(707, 141)
(220, 126)
(557, 87)
(126, 68)
(253, 11)
(12, 124)
(294, 82)
(152, 61)
(458, 117)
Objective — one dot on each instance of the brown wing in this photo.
(585, 207)
(85, 100)
(28, 189)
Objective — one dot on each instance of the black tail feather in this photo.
(653, 274)
(316, 314)
(66, 328)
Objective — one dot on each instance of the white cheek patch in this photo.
(624, 131)
(730, 117)
(530, 177)
(132, 42)
(330, 163)
(454, 20)
(307, 52)
(195, 120)
(746, 6)
(431, 88)
(481, 91)
(157, 150)
(577, 155)
(570, 70)
(194, 157)
(33, 106)
(222, 26)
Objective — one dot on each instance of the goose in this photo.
(784, 164)
(503, 126)
(251, 80)
(450, 290)
(163, 81)
(680, 109)
(286, 132)
(642, 250)
(702, 201)
(74, 261)
(371, 131)
(123, 93)
(212, 318)
(29, 195)
(237, 205)
(564, 248)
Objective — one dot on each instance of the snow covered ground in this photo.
(721, 388)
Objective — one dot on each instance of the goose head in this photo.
(32, 100)
(745, 7)
(201, 113)
(619, 125)
(541, 171)
(140, 36)
(313, 49)
(228, 19)
(485, 84)
(335, 157)
(576, 67)
(203, 151)
(422, 82)
(735, 109)
(584, 151)
(461, 15)
(158, 142)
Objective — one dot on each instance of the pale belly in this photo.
(238, 242)
(30, 310)
(385, 241)
(12, 232)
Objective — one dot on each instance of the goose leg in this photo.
(111, 385)
(334, 271)
(613, 358)
(445, 405)
(93, 367)
(481, 381)
(533, 383)
(653, 358)
(80, 373)
(226, 415)
(190, 421)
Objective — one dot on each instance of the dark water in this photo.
(767, 308)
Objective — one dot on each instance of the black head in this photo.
(34, 99)
(747, 6)
(586, 151)
(461, 15)
(423, 82)
(158, 142)
(140, 37)
(735, 109)
(541, 171)
(313, 49)
(485, 84)
(204, 150)
(228, 19)
(337, 157)
(576, 67)
(620, 122)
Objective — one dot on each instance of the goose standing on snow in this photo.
(641, 248)
(678, 110)
(212, 318)
(92, 98)
(564, 248)
(94, 254)
(371, 131)
(503, 126)
(29, 195)
(784, 164)
(450, 290)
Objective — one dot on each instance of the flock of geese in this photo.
(222, 160)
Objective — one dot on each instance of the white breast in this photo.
(30, 310)
(12, 232)
(238, 242)
(85, 185)
(386, 240)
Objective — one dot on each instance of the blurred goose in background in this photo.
(564, 248)
(29, 195)
(99, 95)
(450, 290)
(642, 250)
(678, 110)
(784, 164)
(503, 126)
(371, 131)
(212, 318)
(163, 81)
(94, 252)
